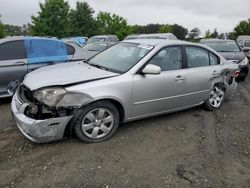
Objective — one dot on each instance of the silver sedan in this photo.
(132, 80)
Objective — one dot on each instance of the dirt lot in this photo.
(194, 148)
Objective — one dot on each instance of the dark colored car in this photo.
(230, 50)
(21, 55)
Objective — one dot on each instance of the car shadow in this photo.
(6, 100)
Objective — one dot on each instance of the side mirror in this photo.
(151, 69)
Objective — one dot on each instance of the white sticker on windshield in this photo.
(145, 46)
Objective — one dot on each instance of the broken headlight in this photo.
(50, 96)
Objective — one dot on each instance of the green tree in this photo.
(82, 20)
(194, 33)
(2, 32)
(179, 31)
(232, 36)
(243, 28)
(165, 28)
(215, 34)
(207, 34)
(13, 30)
(52, 19)
(112, 24)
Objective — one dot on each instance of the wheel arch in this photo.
(116, 103)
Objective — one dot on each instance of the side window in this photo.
(197, 57)
(70, 49)
(214, 60)
(109, 39)
(43, 50)
(169, 58)
(12, 50)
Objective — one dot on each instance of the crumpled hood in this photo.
(237, 56)
(64, 74)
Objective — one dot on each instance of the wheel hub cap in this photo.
(216, 97)
(97, 123)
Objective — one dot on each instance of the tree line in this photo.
(56, 18)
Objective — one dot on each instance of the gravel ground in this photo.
(193, 148)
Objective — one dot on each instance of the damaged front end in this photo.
(229, 74)
(38, 122)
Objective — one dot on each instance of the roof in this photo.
(97, 36)
(243, 37)
(155, 42)
(13, 38)
(216, 40)
(168, 36)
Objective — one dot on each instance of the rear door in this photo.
(13, 63)
(202, 66)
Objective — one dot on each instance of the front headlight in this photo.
(50, 96)
(244, 62)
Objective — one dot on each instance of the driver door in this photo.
(153, 94)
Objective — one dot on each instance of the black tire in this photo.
(83, 112)
(241, 78)
(208, 105)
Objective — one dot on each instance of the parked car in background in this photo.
(131, 80)
(109, 39)
(244, 43)
(21, 55)
(167, 36)
(80, 41)
(230, 50)
(98, 44)
(133, 36)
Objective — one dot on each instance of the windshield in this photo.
(97, 39)
(121, 57)
(96, 46)
(247, 43)
(223, 46)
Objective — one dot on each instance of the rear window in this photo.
(247, 43)
(227, 46)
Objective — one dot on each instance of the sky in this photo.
(204, 14)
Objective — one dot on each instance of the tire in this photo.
(215, 99)
(96, 122)
(241, 78)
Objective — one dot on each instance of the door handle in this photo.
(20, 63)
(179, 78)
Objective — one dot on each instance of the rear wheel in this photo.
(216, 97)
(241, 78)
(97, 122)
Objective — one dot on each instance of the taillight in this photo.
(236, 74)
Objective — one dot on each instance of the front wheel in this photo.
(97, 122)
(216, 97)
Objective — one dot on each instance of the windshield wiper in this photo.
(99, 67)
(226, 51)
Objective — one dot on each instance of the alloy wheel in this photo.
(216, 97)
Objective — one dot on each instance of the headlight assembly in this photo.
(50, 96)
(244, 62)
